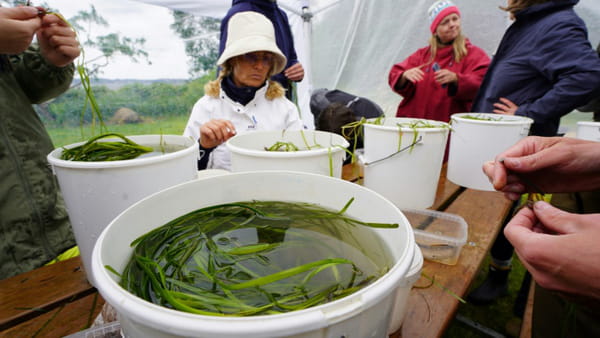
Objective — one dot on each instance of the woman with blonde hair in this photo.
(442, 78)
(242, 99)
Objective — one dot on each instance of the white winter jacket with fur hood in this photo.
(259, 114)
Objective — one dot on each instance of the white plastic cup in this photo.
(474, 141)
(96, 192)
(408, 178)
(248, 152)
(587, 130)
(365, 313)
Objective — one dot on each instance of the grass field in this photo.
(167, 126)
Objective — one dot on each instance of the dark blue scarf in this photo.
(241, 95)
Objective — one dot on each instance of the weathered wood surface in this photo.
(52, 301)
(528, 315)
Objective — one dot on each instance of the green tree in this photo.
(86, 24)
(201, 36)
(110, 44)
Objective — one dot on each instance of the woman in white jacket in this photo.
(242, 99)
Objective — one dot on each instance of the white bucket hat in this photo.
(251, 32)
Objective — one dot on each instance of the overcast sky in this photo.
(135, 20)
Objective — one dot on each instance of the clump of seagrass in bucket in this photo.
(255, 258)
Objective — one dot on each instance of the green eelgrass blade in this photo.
(286, 273)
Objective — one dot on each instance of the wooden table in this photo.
(57, 300)
(430, 310)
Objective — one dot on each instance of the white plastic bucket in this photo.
(408, 178)
(588, 131)
(248, 152)
(477, 138)
(365, 313)
(96, 192)
(403, 291)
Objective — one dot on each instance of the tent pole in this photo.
(307, 17)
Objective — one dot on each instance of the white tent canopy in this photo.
(351, 44)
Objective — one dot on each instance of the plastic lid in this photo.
(444, 226)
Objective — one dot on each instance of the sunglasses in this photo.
(253, 58)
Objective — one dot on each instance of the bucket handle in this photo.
(417, 141)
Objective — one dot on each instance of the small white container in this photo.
(440, 235)
(96, 192)
(365, 313)
(476, 141)
(248, 152)
(408, 178)
(587, 130)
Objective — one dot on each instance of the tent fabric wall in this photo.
(352, 44)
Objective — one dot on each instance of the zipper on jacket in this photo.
(28, 192)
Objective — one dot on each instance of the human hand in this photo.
(413, 75)
(17, 27)
(553, 164)
(445, 76)
(215, 132)
(295, 72)
(505, 107)
(559, 249)
(58, 42)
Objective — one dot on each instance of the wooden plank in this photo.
(352, 172)
(429, 308)
(528, 315)
(30, 294)
(66, 319)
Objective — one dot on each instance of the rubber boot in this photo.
(494, 286)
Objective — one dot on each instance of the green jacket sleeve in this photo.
(39, 80)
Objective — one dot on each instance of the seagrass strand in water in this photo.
(257, 257)
(96, 150)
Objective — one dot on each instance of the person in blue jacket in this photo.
(293, 71)
(544, 68)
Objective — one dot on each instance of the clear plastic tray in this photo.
(440, 235)
(108, 330)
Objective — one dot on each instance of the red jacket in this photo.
(427, 98)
